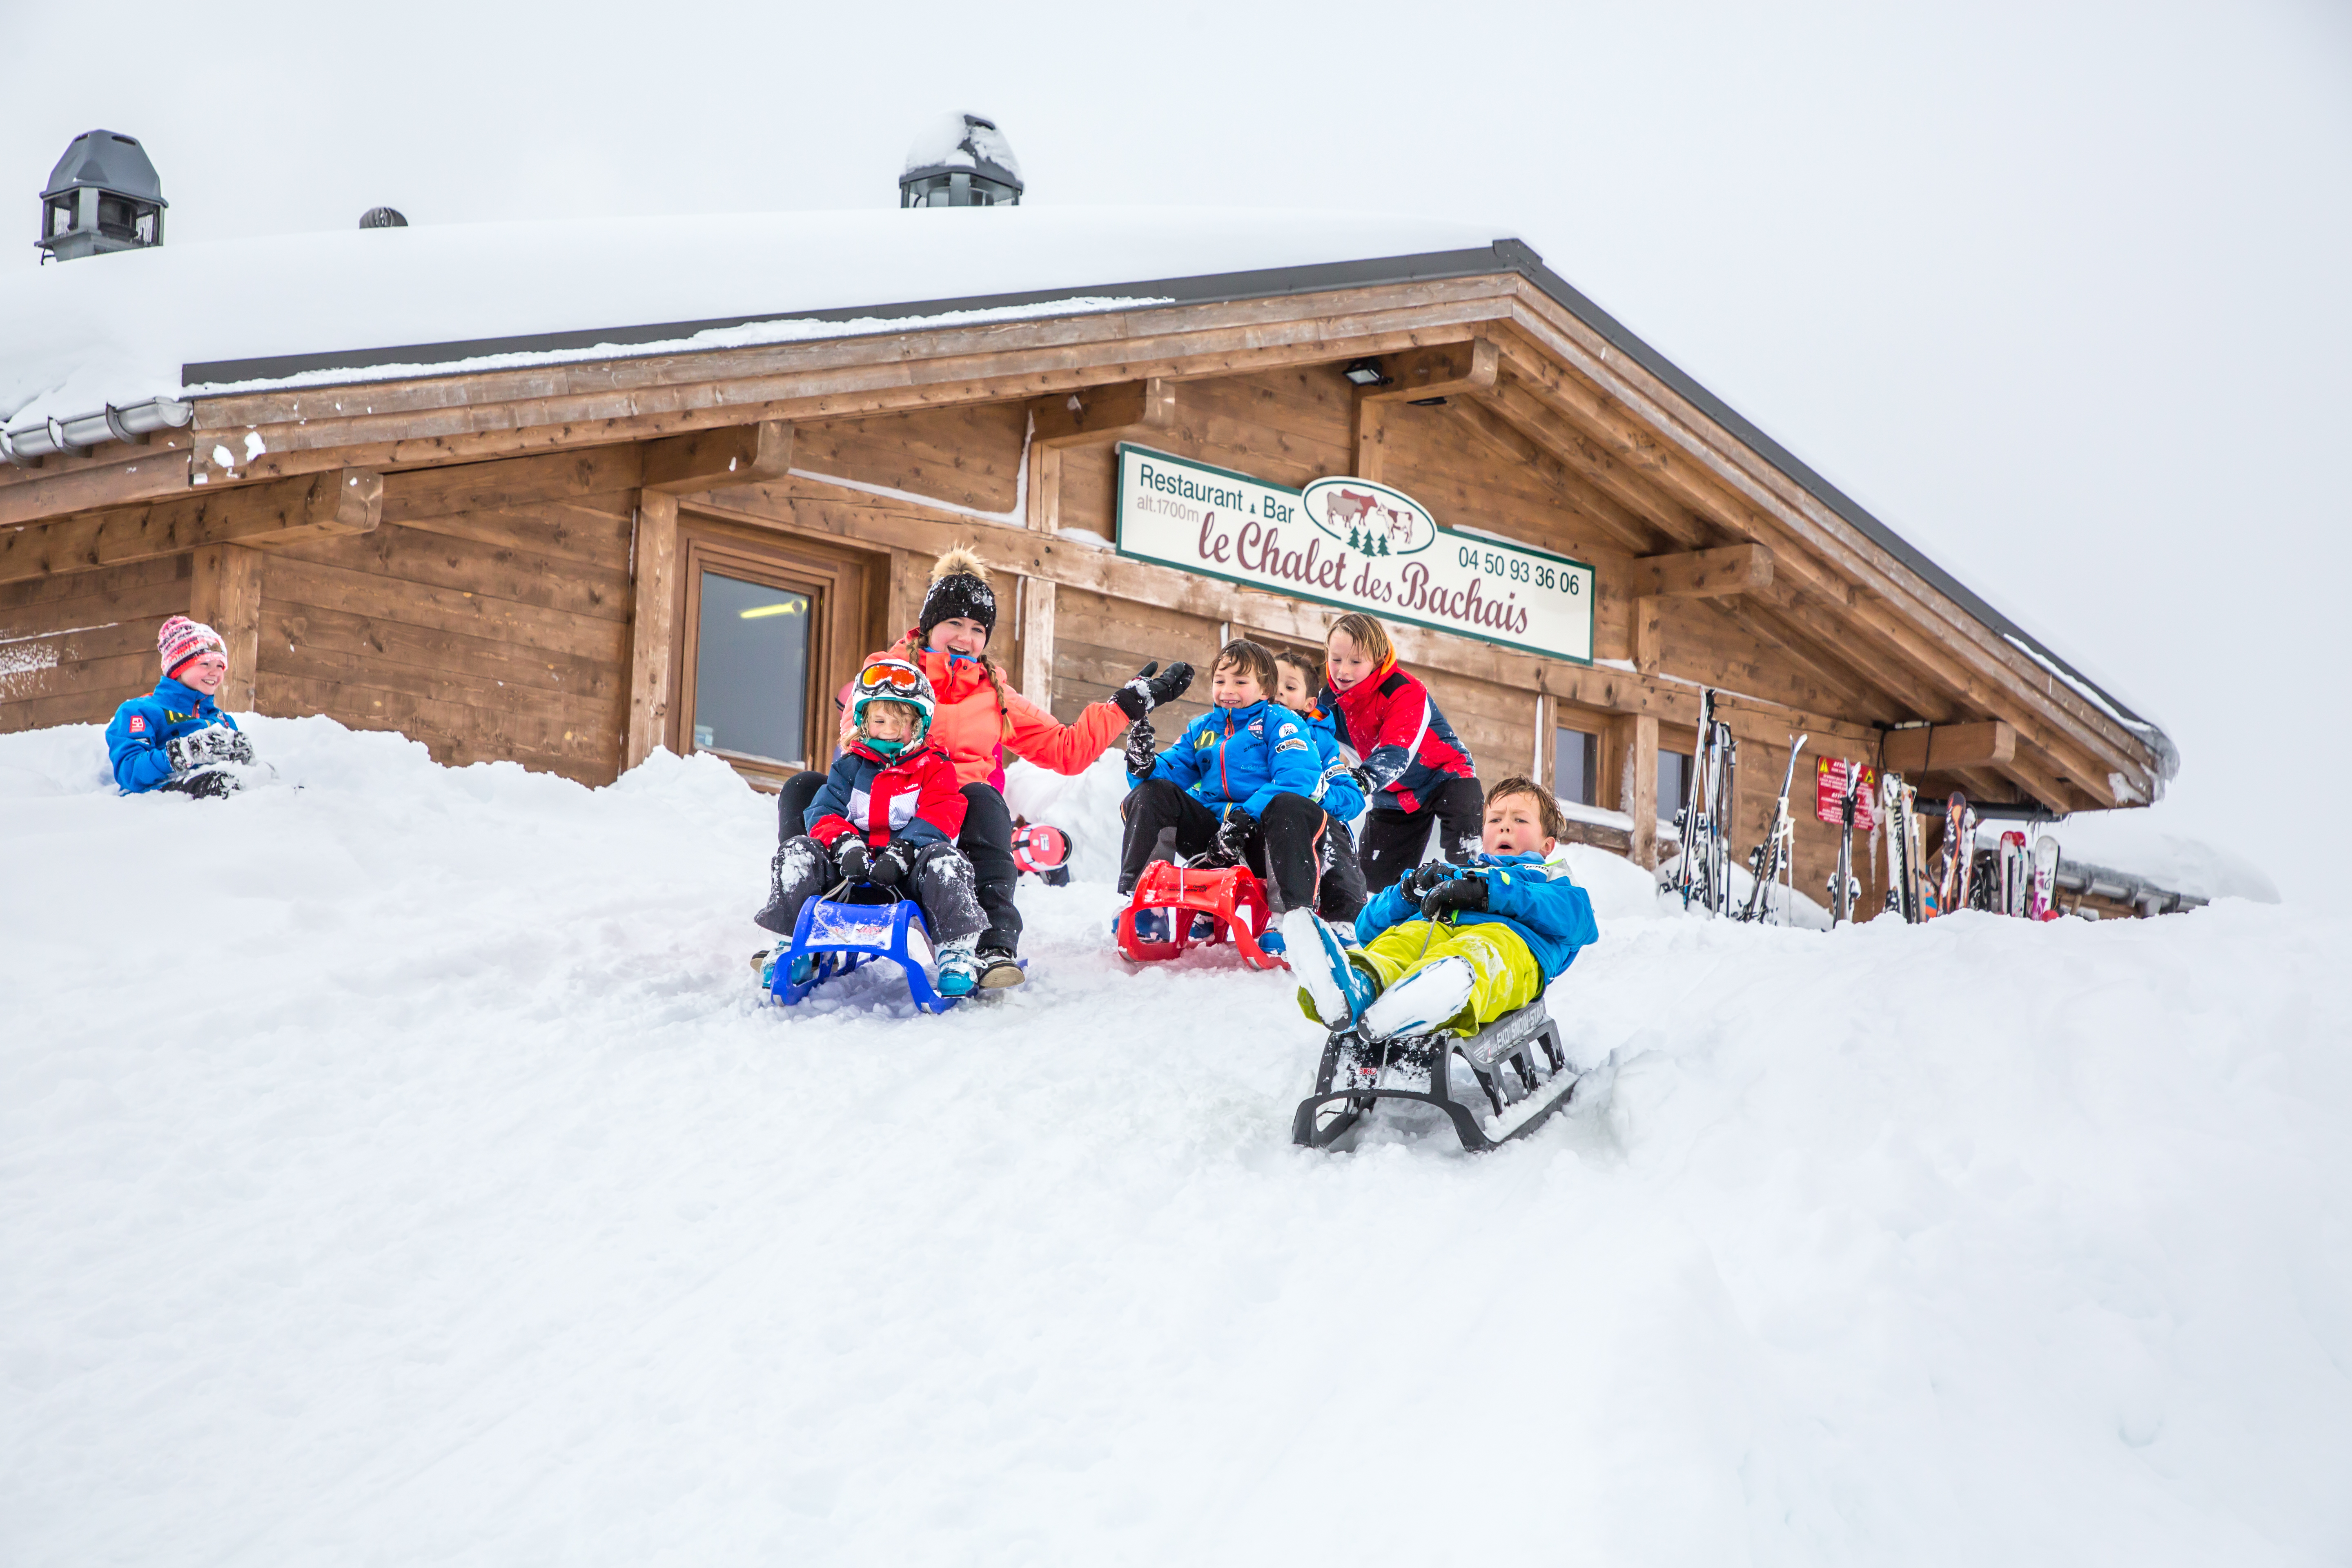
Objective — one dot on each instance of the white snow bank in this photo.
(117, 329)
(394, 1169)
(2142, 842)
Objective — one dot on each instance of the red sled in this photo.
(1231, 896)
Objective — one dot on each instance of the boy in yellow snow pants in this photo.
(1458, 946)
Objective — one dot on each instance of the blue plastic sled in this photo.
(846, 936)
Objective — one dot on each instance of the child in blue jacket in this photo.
(176, 739)
(1457, 946)
(1339, 792)
(1241, 780)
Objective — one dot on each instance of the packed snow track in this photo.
(399, 1169)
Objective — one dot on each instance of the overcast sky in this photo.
(2059, 291)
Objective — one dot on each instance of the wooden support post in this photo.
(653, 685)
(1644, 807)
(1648, 634)
(225, 593)
(1947, 748)
(1037, 592)
(1370, 432)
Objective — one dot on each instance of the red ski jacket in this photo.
(1392, 723)
(916, 798)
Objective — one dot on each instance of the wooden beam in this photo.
(1707, 573)
(1945, 747)
(113, 477)
(261, 517)
(1888, 669)
(653, 613)
(1098, 415)
(1622, 528)
(225, 593)
(731, 455)
(1448, 370)
(809, 504)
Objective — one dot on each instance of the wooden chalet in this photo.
(569, 549)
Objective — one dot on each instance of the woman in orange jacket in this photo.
(980, 721)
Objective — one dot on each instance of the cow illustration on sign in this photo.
(1368, 518)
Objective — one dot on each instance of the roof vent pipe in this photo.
(384, 217)
(960, 160)
(102, 196)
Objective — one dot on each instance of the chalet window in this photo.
(1674, 783)
(751, 669)
(1575, 756)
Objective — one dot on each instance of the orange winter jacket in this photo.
(977, 725)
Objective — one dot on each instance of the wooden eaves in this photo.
(1493, 340)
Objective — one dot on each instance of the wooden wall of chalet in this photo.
(486, 615)
(74, 648)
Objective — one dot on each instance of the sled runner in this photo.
(1231, 896)
(843, 934)
(1518, 1061)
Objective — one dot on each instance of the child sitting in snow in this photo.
(1339, 792)
(1515, 924)
(1241, 780)
(176, 738)
(889, 813)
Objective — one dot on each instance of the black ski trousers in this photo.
(1163, 823)
(1394, 841)
(1341, 896)
(986, 841)
(940, 882)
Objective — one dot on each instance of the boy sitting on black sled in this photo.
(1240, 780)
(1515, 924)
(889, 813)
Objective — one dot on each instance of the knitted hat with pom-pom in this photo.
(182, 639)
(959, 591)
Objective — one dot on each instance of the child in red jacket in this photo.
(888, 813)
(1418, 775)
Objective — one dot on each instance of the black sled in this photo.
(1518, 1062)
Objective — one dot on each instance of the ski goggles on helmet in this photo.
(889, 680)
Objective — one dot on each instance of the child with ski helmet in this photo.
(176, 738)
(887, 814)
(1418, 774)
(1338, 792)
(1240, 780)
(1458, 944)
(980, 720)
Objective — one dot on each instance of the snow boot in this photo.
(1150, 925)
(999, 969)
(804, 968)
(1332, 991)
(1423, 1001)
(958, 969)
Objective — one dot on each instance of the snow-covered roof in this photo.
(381, 304)
(119, 328)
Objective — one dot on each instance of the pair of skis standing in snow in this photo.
(2020, 884)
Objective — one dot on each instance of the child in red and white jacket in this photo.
(889, 814)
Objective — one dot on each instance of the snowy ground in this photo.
(396, 1170)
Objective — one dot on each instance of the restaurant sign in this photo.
(1356, 544)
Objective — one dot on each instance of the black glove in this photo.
(891, 866)
(1148, 690)
(1459, 893)
(1417, 881)
(1363, 782)
(233, 745)
(210, 784)
(851, 858)
(1140, 744)
(1232, 835)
